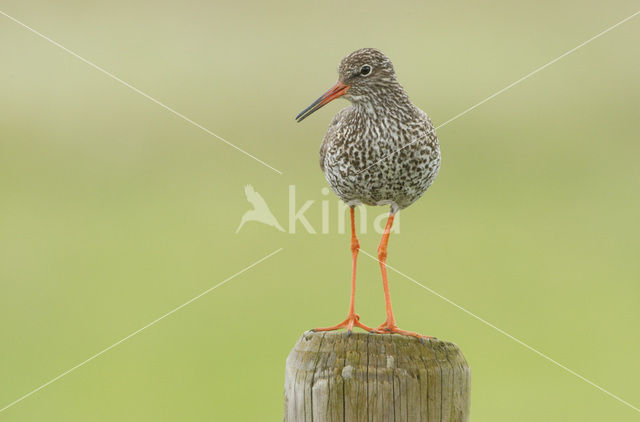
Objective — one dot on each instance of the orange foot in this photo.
(392, 328)
(353, 320)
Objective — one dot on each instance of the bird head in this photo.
(362, 76)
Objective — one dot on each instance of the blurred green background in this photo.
(114, 211)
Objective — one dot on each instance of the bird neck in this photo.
(389, 101)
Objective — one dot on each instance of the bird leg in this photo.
(353, 319)
(389, 326)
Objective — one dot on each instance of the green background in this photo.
(114, 211)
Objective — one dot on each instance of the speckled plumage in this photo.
(382, 149)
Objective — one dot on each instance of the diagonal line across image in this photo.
(522, 343)
(139, 330)
(511, 85)
(144, 94)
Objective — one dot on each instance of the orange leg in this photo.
(389, 326)
(353, 319)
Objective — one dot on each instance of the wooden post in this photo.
(375, 377)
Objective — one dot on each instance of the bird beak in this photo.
(338, 90)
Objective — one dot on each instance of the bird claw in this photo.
(390, 328)
(351, 321)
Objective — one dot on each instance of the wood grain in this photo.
(375, 378)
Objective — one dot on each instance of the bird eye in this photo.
(365, 70)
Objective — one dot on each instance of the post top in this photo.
(398, 339)
(339, 376)
(339, 344)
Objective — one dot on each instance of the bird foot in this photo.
(353, 320)
(392, 328)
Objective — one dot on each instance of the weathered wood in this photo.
(375, 378)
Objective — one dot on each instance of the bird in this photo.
(260, 211)
(381, 150)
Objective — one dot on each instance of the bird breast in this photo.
(380, 158)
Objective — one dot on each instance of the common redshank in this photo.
(381, 150)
